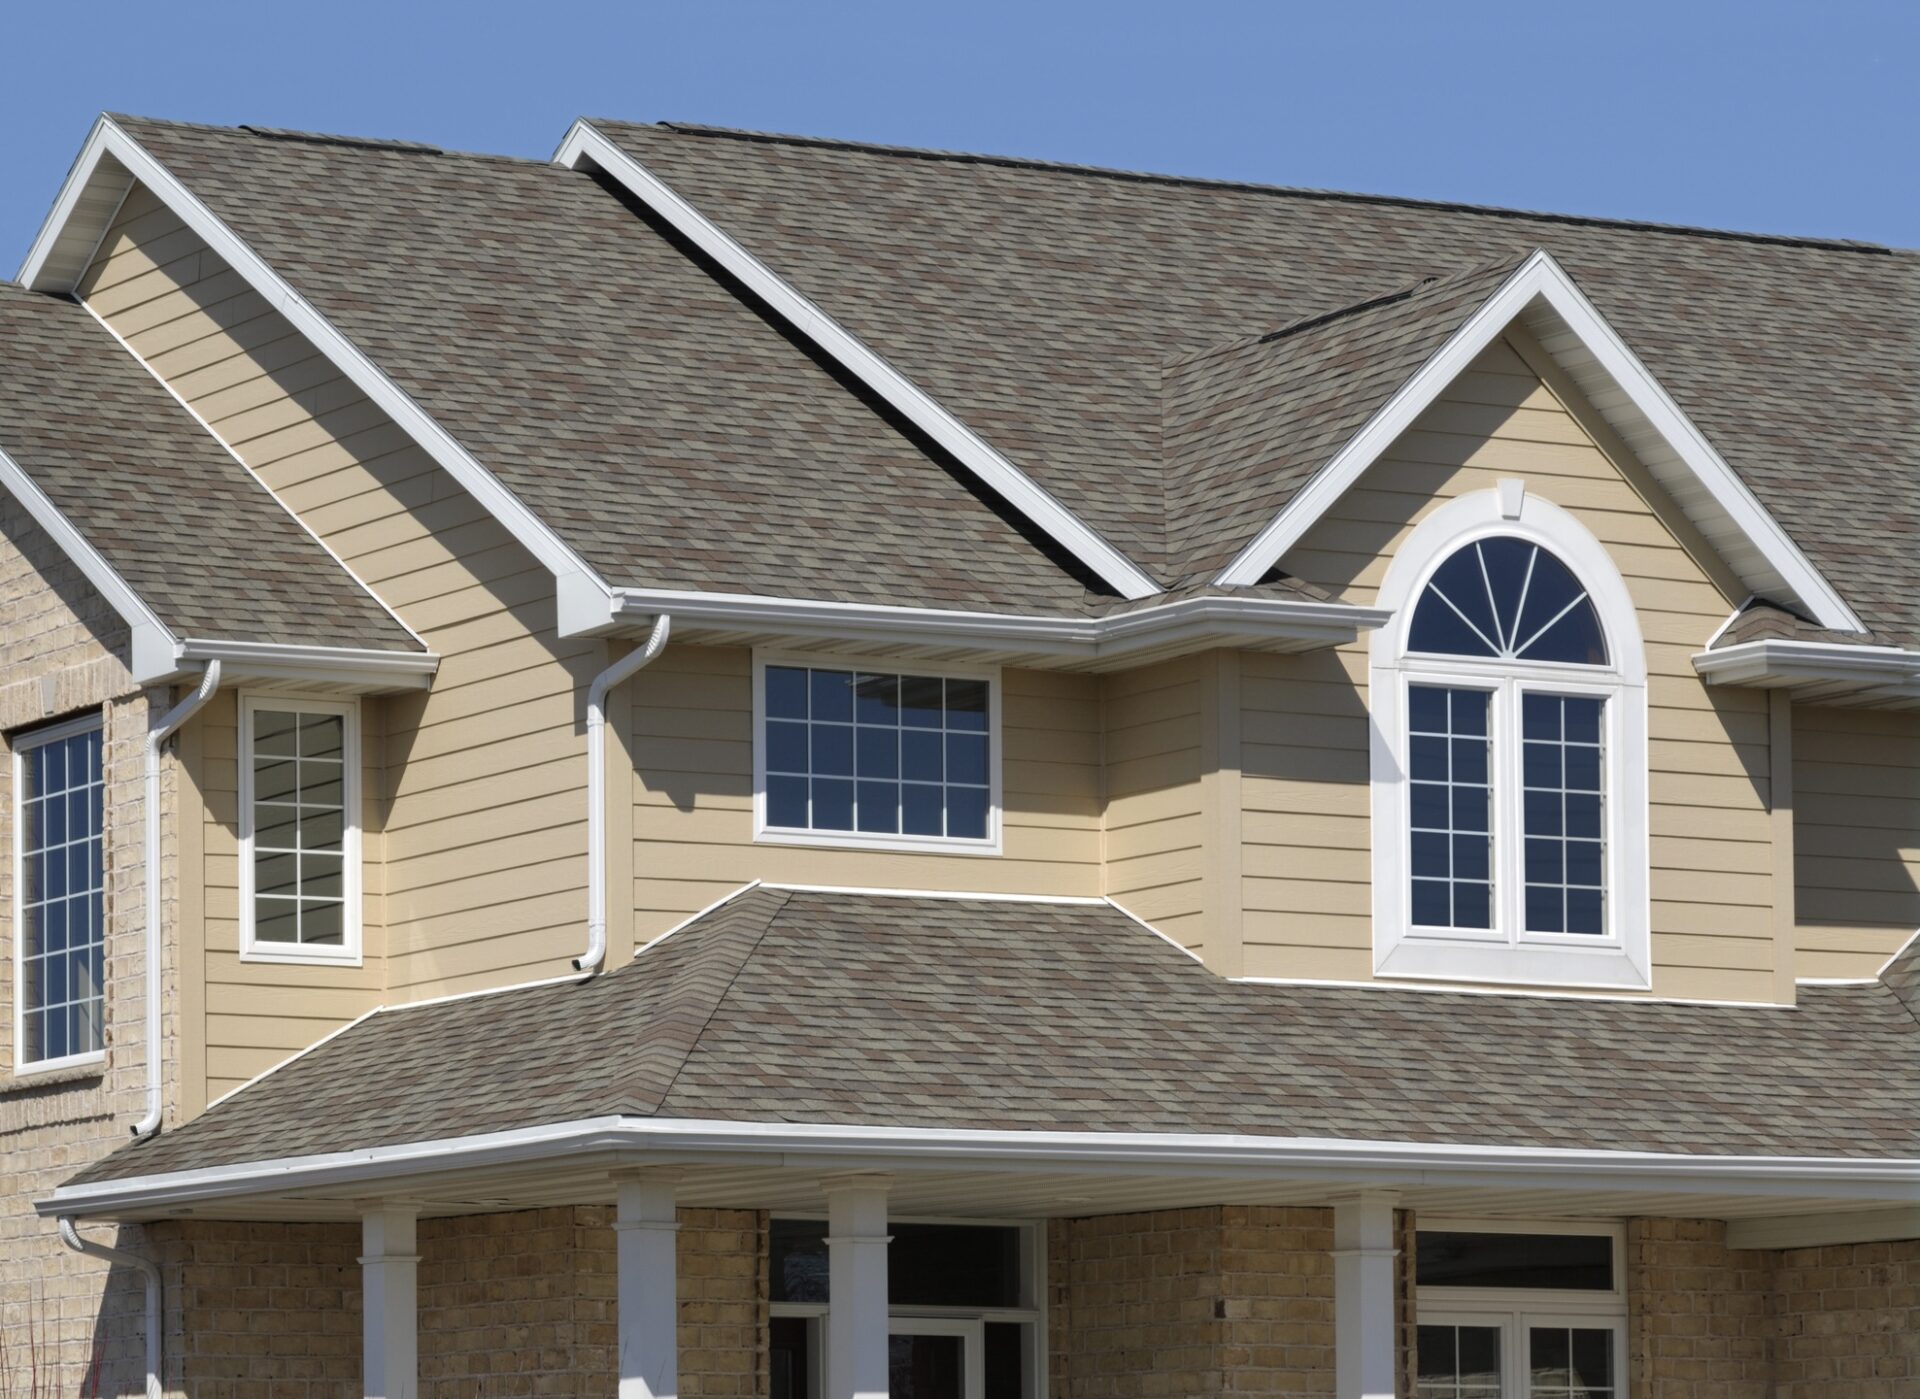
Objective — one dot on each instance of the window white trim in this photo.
(1515, 1309)
(22, 744)
(1622, 957)
(348, 953)
(867, 840)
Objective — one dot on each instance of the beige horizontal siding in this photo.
(692, 842)
(1856, 836)
(1156, 846)
(479, 886)
(1306, 754)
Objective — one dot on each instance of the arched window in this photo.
(1509, 702)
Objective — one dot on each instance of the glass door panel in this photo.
(1459, 1362)
(1570, 1362)
(936, 1359)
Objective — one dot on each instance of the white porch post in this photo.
(645, 1242)
(857, 1242)
(390, 1305)
(1366, 1341)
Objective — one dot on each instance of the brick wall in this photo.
(60, 654)
(512, 1306)
(1847, 1322)
(1228, 1300)
(1697, 1323)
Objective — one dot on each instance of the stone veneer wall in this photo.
(1226, 1300)
(512, 1306)
(1711, 1322)
(1847, 1322)
(70, 1317)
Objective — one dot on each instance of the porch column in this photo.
(1366, 1340)
(390, 1301)
(857, 1242)
(645, 1230)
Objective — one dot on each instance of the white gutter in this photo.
(1339, 1162)
(149, 1273)
(1785, 664)
(1214, 619)
(596, 953)
(157, 735)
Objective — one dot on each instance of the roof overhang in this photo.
(1543, 298)
(747, 1159)
(111, 162)
(1116, 642)
(586, 148)
(1819, 672)
(156, 655)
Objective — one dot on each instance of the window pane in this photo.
(1450, 807)
(299, 817)
(886, 754)
(1457, 1362)
(1563, 814)
(60, 896)
(928, 1265)
(797, 1260)
(791, 1359)
(1570, 1362)
(1461, 1259)
(1507, 597)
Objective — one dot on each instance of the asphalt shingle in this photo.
(904, 1011)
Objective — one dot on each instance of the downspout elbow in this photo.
(157, 736)
(149, 1273)
(621, 670)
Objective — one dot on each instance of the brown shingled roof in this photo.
(189, 529)
(1040, 304)
(914, 1011)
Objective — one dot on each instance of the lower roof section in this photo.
(1015, 1021)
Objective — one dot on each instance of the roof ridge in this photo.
(626, 1101)
(1849, 245)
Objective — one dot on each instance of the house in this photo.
(735, 765)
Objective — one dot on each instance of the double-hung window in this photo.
(59, 932)
(878, 756)
(300, 829)
(1510, 759)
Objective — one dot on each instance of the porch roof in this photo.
(799, 1006)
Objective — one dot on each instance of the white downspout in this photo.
(157, 735)
(596, 953)
(149, 1272)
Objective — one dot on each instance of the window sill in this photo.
(854, 840)
(1422, 958)
(77, 1068)
(297, 957)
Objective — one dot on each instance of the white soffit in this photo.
(586, 148)
(1543, 298)
(112, 161)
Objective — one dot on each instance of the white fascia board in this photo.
(152, 647)
(834, 1147)
(245, 660)
(1541, 278)
(1785, 663)
(1222, 619)
(108, 140)
(584, 145)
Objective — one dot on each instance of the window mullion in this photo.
(1508, 848)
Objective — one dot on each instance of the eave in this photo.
(1819, 672)
(1116, 642)
(756, 1162)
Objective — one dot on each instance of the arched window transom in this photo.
(1512, 599)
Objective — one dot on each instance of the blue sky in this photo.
(1782, 118)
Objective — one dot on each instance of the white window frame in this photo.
(21, 744)
(348, 953)
(870, 840)
(1621, 957)
(1514, 1310)
(934, 1320)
